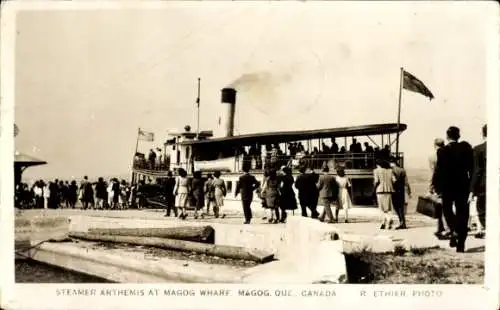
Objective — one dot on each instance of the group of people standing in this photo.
(277, 194)
(182, 192)
(459, 179)
(65, 194)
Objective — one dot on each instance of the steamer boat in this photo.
(228, 153)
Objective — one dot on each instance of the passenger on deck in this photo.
(352, 147)
(334, 147)
(152, 159)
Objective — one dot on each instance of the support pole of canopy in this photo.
(399, 109)
(373, 141)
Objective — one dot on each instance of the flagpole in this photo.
(137, 141)
(198, 112)
(401, 77)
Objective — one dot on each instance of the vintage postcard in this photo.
(249, 154)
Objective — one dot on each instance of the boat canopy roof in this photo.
(291, 136)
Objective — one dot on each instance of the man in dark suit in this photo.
(478, 182)
(438, 144)
(328, 194)
(401, 186)
(168, 190)
(308, 193)
(453, 172)
(247, 184)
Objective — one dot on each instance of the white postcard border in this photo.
(38, 296)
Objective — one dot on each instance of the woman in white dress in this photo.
(111, 194)
(383, 181)
(344, 199)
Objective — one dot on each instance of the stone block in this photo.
(357, 243)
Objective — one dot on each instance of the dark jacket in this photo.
(453, 168)
(100, 190)
(287, 199)
(306, 185)
(197, 187)
(247, 183)
(169, 186)
(478, 182)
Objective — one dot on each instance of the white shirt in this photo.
(38, 191)
(46, 192)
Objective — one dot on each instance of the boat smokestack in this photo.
(228, 100)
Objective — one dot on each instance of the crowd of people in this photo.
(297, 155)
(272, 156)
(64, 194)
(459, 180)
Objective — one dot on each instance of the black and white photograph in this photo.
(251, 143)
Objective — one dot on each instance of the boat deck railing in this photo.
(357, 161)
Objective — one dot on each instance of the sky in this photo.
(85, 81)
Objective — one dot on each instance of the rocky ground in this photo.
(29, 271)
(418, 266)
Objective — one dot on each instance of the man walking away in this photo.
(246, 185)
(169, 194)
(306, 185)
(453, 171)
(398, 197)
(478, 183)
(209, 193)
(328, 193)
(438, 144)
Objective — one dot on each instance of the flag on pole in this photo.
(411, 83)
(146, 136)
(16, 130)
